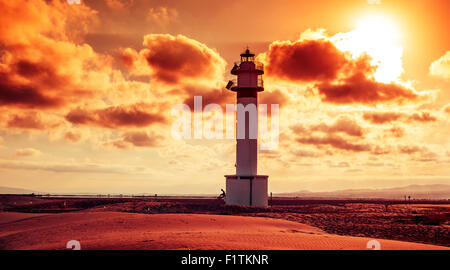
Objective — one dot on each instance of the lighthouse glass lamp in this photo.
(246, 187)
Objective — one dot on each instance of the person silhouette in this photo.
(223, 194)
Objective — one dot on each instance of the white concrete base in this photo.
(246, 190)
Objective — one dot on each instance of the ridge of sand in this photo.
(119, 230)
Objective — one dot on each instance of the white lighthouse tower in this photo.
(246, 187)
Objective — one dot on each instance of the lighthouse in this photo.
(246, 187)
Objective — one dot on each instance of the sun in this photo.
(378, 37)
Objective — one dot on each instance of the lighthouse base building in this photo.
(246, 187)
(246, 190)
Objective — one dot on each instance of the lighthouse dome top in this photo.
(247, 54)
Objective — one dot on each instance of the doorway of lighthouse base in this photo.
(246, 190)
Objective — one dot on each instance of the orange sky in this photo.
(86, 92)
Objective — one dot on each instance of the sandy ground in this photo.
(7, 217)
(116, 230)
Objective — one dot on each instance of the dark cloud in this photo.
(136, 115)
(422, 117)
(25, 95)
(175, 58)
(381, 117)
(311, 60)
(389, 117)
(358, 88)
(40, 72)
(342, 124)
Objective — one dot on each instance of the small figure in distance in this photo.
(223, 195)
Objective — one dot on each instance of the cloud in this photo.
(50, 78)
(441, 67)
(32, 120)
(209, 96)
(58, 77)
(136, 139)
(162, 15)
(78, 167)
(406, 149)
(392, 116)
(136, 115)
(141, 139)
(128, 57)
(24, 22)
(273, 97)
(418, 153)
(175, 59)
(397, 132)
(27, 152)
(422, 117)
(381, 150)
(336, 76)
(332, 135)
(43, 60)
(336, 142)
(446, 108)
(360, 89)
(25, 95)
(304, 153)
(381, 117)
(119, 144)
(310, 60)
(342, 124)
(118, 5)
(73, 136)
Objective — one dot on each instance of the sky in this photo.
(87, 91)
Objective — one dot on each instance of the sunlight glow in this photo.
(379, 38)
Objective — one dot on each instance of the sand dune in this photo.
(115, 230)
(7, 217)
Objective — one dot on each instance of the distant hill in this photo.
(436, 192)
(9, 190)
